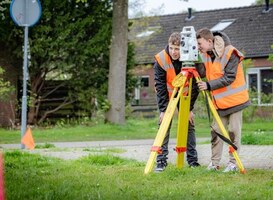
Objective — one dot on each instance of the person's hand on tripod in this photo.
(161, 117)
(202, 85)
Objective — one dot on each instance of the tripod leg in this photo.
(182, 127)
(164, 127)
(223, 130)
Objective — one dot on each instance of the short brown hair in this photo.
(175, 38)
(204, 33)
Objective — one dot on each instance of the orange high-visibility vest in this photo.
(234, 94)
(164, 60)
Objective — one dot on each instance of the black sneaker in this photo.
(193, 165)
(160, 166)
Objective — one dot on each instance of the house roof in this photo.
(251, 32)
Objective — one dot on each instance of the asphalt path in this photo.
(252, 156)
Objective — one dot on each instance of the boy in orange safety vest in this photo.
(167, 65)
(226, 83)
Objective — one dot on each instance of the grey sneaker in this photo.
(212, 167)
(160, 166)
(231, 167)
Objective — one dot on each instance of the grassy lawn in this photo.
(259, 132)
(104, 176)
(30, 176)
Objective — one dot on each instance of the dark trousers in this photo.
(191, 146)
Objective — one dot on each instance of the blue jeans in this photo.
(191, 147)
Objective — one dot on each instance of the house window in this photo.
(260, 85)
(144, 81)
(222, 25)
(253, 84)
(267, 81)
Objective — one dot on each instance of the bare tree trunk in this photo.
(118, 62)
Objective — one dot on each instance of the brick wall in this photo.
(147, 94)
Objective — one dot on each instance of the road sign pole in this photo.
(25, 78)
(25, 13)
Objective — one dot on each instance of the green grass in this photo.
(30, 176)
(107, 150)
(259, 132)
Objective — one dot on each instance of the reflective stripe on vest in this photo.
(164, 60)
(230, 91)
(234, 94)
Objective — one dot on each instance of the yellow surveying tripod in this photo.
(185, 76)
(183, 79)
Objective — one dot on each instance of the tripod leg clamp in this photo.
(231, 149)
(156, 149)
(180, 149)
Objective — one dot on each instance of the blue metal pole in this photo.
(24, 97)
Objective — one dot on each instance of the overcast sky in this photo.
(177, 6)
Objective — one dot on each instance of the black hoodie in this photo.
(161, 84)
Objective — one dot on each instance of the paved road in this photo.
(252, 156)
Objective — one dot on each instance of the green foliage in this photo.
(82, 38)
(262, 2)
(29, 176)
(258, 137)
(267, 98)
(247, 63)
(70, 42)
(83, 1)
(250, 113)
(5, 87)
(131, 80)
(105, 105)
